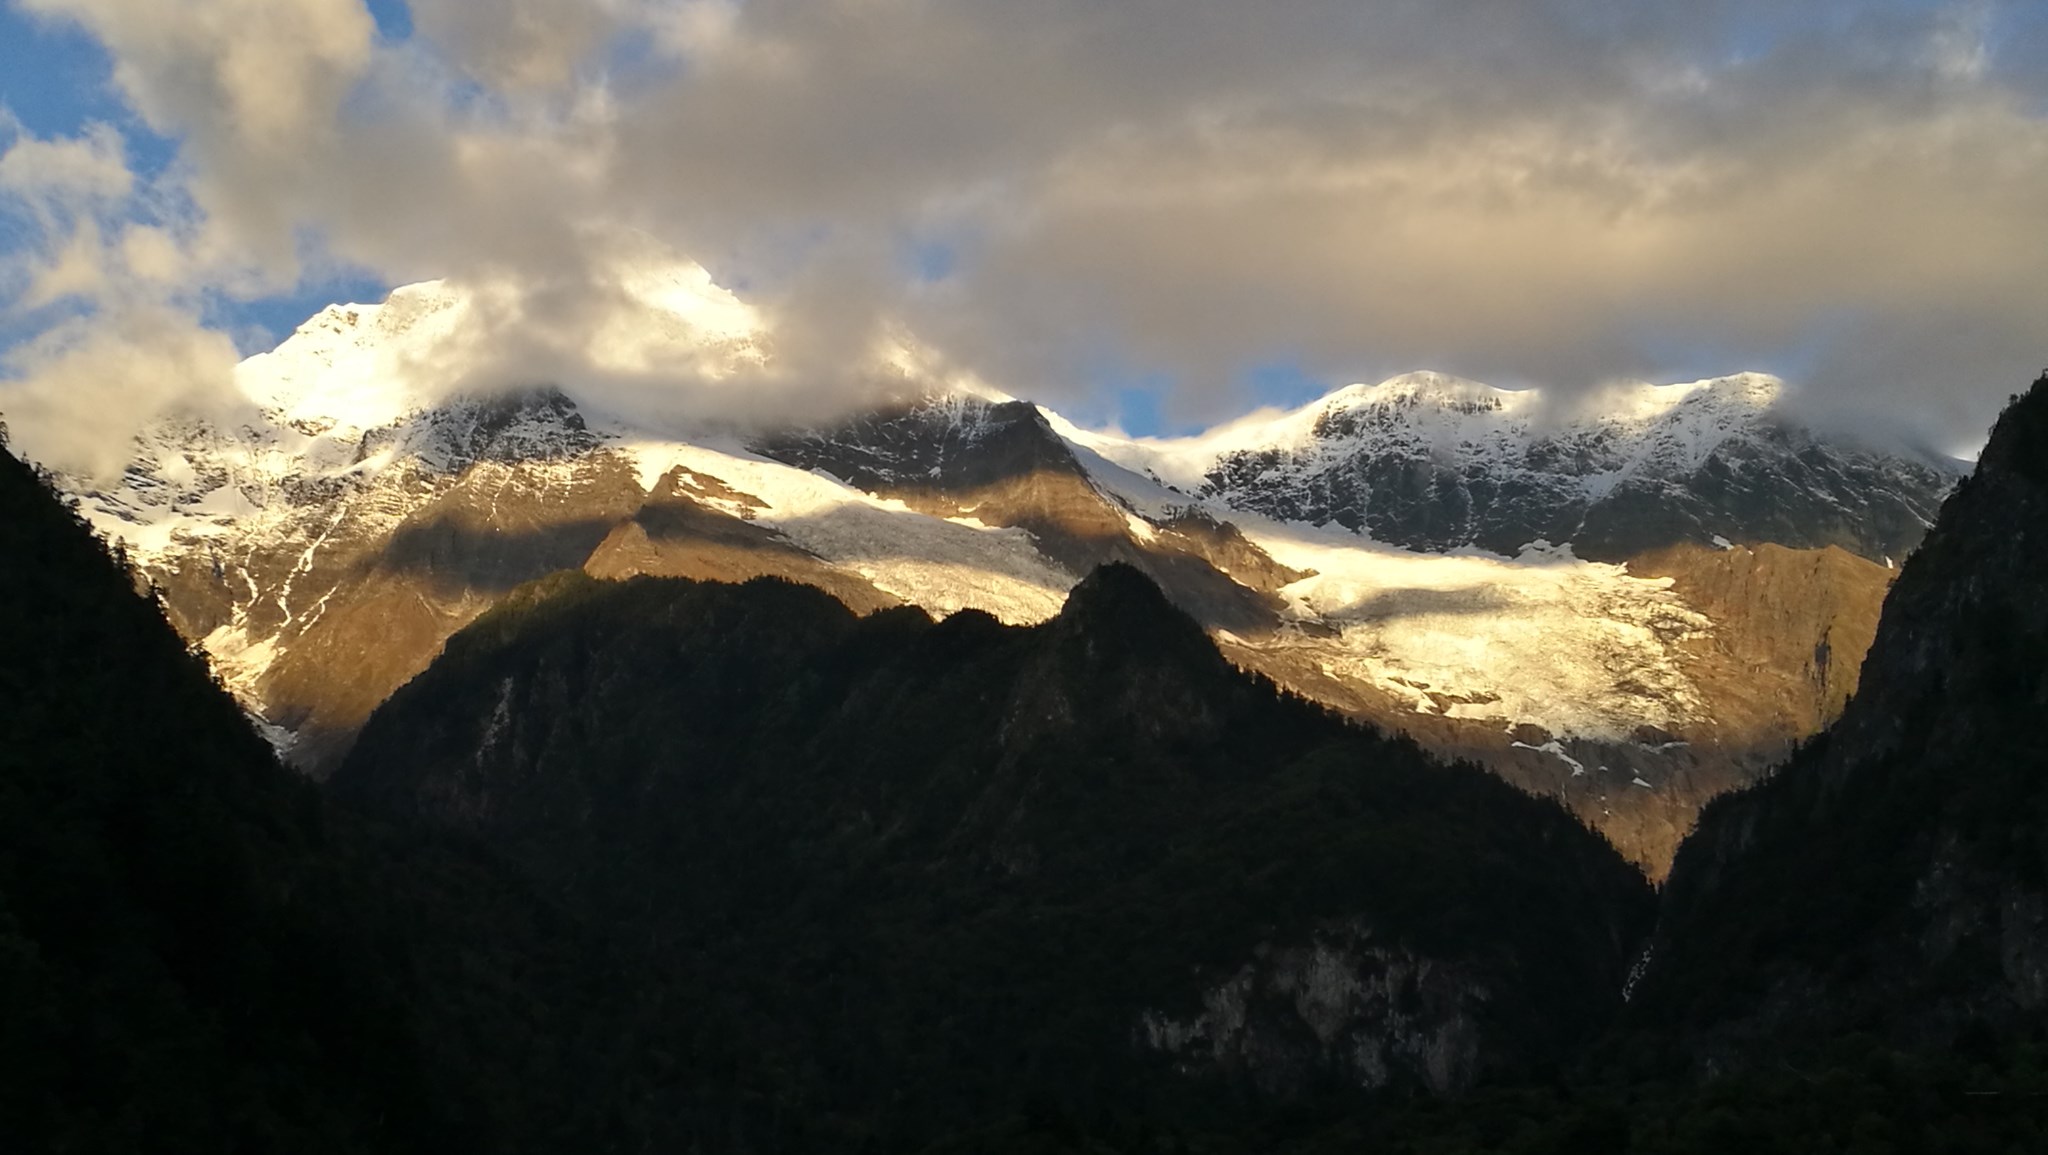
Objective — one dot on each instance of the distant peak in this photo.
(363, 366)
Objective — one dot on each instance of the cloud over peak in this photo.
(1548, 191)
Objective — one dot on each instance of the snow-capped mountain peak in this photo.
(1431, 461)
(359, 367)
(1452, 416)
(1425, 548)
(356, 366)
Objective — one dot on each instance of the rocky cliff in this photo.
(1432, 462)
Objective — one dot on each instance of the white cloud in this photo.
(89, 167)
(268, 72)
(76, 269)
(79, 385)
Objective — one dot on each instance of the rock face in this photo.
(1002, 464)
(1791, 627)
(1890, 877)
(889, 818)
(677, 533)
(1776, 666)
(1338, 1007)
(1433, 463)
(324, 545)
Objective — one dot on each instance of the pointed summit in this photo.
(1117, 591)
(2019, 442)
(1119, 616)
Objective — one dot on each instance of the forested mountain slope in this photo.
(1894, 876)
(883, 877)
(187, 963)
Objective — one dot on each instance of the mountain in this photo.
(657, 863)
(1430, 462)
(1001, 464)
(883, 877)
(186, 961)
(323, 543)
(1893, 877)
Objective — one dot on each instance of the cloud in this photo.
(259, 73)
(49, 173)
(84, 378)
(1526, 191)
(516, 45)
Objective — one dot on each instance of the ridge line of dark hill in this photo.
(1074, 838)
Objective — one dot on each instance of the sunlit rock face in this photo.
(320, 570)
(323, 544)
(1001, 464)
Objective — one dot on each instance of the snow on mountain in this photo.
(1452, 418)
(355, 405)
(361, 367)
(360, 508)
(942, 564)
(359, 389)
(1579, 648)
(354, 433)
(1415, 552)
(1433, 462)
(194, 487)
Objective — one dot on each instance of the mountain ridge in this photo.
(1433, 462)
(188, 960)
(322, 562)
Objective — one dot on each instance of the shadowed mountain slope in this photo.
(186, 964)
(1894, 876)
(909, 875)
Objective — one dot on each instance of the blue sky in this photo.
(54, 76)
(1153, 215)
(55, 79)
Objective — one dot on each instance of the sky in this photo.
(1156, 214)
